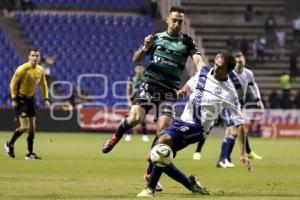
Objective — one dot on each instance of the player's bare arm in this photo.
(13, 88)
(242, 139)
(44, 88)
(198, 61)
(139, 55)
(184, 91)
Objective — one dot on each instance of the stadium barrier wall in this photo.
(274, 123)
(90, 119)
(44, 122)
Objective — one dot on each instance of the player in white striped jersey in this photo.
(213, 91)
(242, 78)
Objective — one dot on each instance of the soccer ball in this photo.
(161, 155)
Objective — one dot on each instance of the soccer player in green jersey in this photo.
(169, 51)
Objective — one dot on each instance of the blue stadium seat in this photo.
(104, 4)
(101, 44)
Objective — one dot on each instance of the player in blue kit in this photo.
(212, 92)
(242, 78)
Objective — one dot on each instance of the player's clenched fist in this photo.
(148, 41)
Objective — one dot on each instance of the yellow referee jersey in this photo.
(25, 80)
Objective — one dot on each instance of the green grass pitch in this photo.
(73, 168)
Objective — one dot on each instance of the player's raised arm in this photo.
(139, 55)
(198, 61)
(195, 53)
(188, 87)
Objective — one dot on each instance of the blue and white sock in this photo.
(230, 144)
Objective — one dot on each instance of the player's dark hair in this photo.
(229, 61)
(34, 49)
(177, 9)
(237, 54)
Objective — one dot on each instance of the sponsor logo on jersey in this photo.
(218, 90)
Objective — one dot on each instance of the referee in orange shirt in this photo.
(22, 88)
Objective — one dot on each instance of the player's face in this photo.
(240, 61)
(220, 70)
(34, 57)
(175, 22)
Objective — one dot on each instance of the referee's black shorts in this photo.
(25, 106)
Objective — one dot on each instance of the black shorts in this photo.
(154, 95)
(25, 106)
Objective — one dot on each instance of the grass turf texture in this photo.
(73, 168)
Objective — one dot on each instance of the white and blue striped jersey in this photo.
(245, 79)
(209, 97)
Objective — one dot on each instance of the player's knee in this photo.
(31, 130)
(24, 128)
(165, 139)
(134, 119)
(163, 123)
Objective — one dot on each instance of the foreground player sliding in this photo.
(242, 78)
(213, 91)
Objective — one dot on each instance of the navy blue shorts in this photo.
(184, 134)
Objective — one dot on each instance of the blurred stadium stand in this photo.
(82, 38)
(83, 43)
(216, 20)
(8, 62)
(90, 4)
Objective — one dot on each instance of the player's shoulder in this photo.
(248, 71)
(40, 68)
(186, 36)
(230, 84)
(158, 36)
(160, 33)
(23, 67)
(204, 70)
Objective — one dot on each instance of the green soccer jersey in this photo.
(169, 55)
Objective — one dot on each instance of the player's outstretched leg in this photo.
(196, 187)
(116, 137)
(191, 183)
